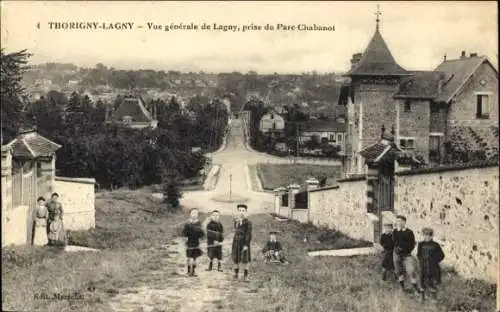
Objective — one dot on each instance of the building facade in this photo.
(272, 122)
(334, 132)
(457, 103)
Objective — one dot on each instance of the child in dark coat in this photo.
(215, 232)
(193, 232)
(387, 243)
(430, 254)
(240, 250)
(272, 250)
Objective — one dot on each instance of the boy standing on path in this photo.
(193, 232)
(241, 241)
(215, 232)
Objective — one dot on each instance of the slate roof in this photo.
(32, 145)
(323, 126)
(377, 60)
(452, 73)
(457, 72)
(133, 107)
(421, 85)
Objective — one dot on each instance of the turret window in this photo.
(407, 106)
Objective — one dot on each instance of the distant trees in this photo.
(116, 156)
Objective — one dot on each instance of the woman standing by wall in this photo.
(42, 214)
(56, 231)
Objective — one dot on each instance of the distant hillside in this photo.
(320, 92)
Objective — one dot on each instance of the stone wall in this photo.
(301, 215)
(461, 204)
(462, 208)
(15, 226)
(78, 200)
(343, 208)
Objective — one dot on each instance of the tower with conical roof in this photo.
(375, 78)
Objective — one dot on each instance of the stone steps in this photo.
(345, 252)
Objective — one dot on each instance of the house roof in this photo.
(456, 74)
(451, 75)
(374, 151)
(421, 85)
(323, 126)
(133, 107)
(32, 145)
(377, 60)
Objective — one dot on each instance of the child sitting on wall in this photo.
(387, 243)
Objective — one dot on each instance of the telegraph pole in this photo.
(297, 143)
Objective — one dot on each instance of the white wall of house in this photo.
(271, 121)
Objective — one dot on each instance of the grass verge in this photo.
(273, 176)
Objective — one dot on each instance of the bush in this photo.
(172, 193)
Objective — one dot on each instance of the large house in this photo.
(132, 112)
(325, 130)
(457, 101)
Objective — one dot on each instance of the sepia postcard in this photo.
(253, 156)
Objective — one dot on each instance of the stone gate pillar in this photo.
(278, 196)
(293, 189)
(6, 187)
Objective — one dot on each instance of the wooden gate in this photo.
(301, 200)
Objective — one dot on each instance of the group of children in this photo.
(423, 271)
(194, 230)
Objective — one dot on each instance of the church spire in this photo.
(378, 13)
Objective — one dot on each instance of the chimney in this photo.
(383, 131)
(355, 59)
(444, 58)
(463, 55)
(473, 54)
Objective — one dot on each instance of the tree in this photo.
(75, 103)
(13, 65)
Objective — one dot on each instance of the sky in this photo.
(418, 34)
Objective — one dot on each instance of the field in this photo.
(273, 176)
